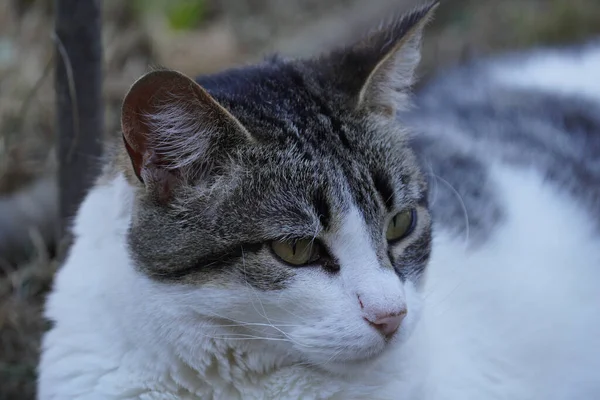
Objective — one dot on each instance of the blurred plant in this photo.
(181, 15)
(557, 22)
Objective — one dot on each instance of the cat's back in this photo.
(536, 110)
(512, 147)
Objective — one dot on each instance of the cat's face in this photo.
(280, 201)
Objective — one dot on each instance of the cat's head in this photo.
(281, 200)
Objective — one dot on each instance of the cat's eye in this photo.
(297, 252)
(401, 225)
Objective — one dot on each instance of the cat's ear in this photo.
(170, 126)
(380, 68)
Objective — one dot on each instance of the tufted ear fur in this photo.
(379, 69)
(170, 128)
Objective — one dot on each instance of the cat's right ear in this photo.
(378, 71)
(170, 126)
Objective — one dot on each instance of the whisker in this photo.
(434, 289)
(435, 188)
(247, 338)
(253, 324)
(462, 204)
(270, 323)
(264, 312)
(290, 312)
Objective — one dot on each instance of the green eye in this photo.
(401, 225)
(297, 252)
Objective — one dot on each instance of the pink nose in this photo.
(387, 324)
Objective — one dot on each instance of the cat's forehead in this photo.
(296, 189)
(311, 151)
(286, 106)
(277, 99)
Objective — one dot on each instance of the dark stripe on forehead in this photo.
(364, 194)
(344, 139)
(385, 189)
(322, 208)
(315, 103)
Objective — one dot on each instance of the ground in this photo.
(202, 36)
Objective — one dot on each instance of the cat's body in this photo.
(510, 294)
(514, 314)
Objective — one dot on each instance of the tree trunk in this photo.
(80, 117)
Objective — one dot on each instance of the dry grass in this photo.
(462, 29)
(21, 296)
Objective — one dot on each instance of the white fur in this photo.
(571, 73)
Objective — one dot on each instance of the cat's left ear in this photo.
(380, 69)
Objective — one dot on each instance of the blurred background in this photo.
(195, 37)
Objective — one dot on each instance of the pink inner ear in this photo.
(157, 86)
(167, 119)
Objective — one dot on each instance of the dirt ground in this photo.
(139, 34)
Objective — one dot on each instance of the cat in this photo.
(295, 229)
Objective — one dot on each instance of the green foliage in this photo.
(181, 14)
(558, 22)
(186, 14)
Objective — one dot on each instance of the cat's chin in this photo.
(357, 365)
(352, 368)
